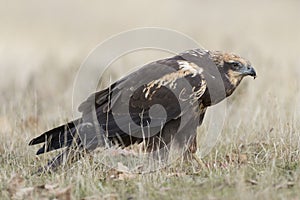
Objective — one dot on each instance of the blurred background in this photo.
(43, 43)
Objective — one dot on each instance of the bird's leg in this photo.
(198, 160)
(192, 151)
(193, 146)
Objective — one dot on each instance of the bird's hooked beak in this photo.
(250, 71)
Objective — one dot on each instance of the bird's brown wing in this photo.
(150, 97)
(139, 105)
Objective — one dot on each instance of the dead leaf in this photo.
(54, 190)
(237, 158)
(92, 198)
(177, 174)
(50, 187)
(17, 190)
(125, 176)
(113, 174)
(164, 189)
(111, 197)
(122, 168)
(63, 194)
(23, 192)
(122, 152)
(252, 182)
(14, 184)
(120, 173)
(232, 158)
(285, 185)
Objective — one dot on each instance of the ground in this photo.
(257, 153)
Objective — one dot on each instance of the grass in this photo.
(255, 157)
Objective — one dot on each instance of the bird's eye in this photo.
(236, 64)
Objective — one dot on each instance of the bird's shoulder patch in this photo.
(185, 69)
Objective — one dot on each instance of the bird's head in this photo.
(237, 67)
(233, 69)
(233, 66)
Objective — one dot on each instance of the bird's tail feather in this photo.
(59, 137)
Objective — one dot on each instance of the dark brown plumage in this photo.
(160, 104)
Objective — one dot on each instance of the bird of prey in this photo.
(160, 104)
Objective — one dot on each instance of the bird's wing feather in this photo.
(131, 103)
